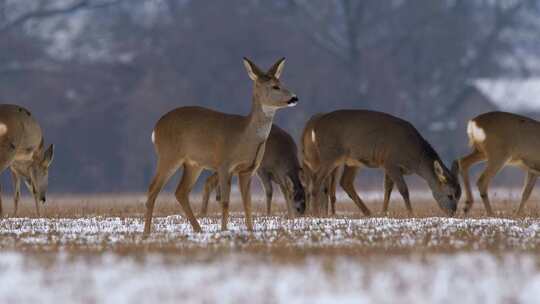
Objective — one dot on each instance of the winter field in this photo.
(91, 250)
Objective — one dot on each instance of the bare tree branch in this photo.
(484, 52)
(45, 13)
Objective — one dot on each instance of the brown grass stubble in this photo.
(132, 206)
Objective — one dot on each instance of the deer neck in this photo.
(259, 120)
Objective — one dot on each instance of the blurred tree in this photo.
(99, 73)
(423, 52)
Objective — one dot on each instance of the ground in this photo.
(91, 250)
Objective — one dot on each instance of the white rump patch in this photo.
(154, 137)
(3, 129)
(475, 133)
(313, 138)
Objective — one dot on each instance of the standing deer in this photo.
(361, 138)
(22, 149)
(280, 165)
(198, 138)
(501, 139)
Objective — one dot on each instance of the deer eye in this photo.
(275, 87)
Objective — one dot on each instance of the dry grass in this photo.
(129, 205)
(102, 221)
(275, 236)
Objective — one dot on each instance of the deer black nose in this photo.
(292, 101)
(43, 199)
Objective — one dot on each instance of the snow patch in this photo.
(513, 95)
(235, 278)
(376, 232)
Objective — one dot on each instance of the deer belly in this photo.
(351, 162)
(516, 162)
(245, 166)
(525, 164)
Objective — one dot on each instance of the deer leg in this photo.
(224, 178)
(332, 191)
(388, 187)
(36, 202)
(397, 177)
(6, 159)
(244, 179)
(288, 197)
(323, 204)
(492, 168)
(464, 164)
(347, 183)
(164, 171)
(189, 177)
(528, 186)
(317, 191)
(34, 195)
(31, 190)
(264, 177)
(17, 191)
(210, 184)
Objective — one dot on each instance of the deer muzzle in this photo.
(293, 101)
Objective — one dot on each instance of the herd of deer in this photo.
(197, 138)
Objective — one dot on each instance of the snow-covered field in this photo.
(460, 278)
(304, 260)
(275, 231)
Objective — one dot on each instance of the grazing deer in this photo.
(22, 149)
(501, 139)
(280, 165)
(328, 199)
(360, 138)
(198, 138)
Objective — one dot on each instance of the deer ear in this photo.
(277, 68)
(38, 153)
(253, 71)
(48, 156)
(439, 171)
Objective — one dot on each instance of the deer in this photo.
(22, 150)
(198, 138)
(363, 138)
(500, 139)
(279, 165)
